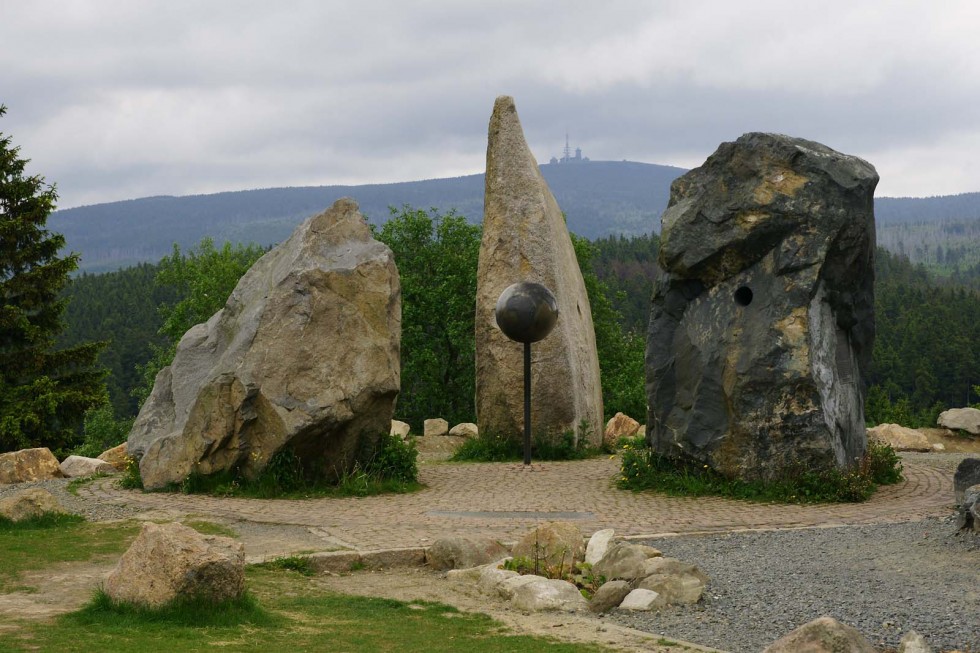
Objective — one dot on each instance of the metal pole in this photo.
(527, 403)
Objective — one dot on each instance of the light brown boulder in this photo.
(525, 239)
(463, 553)
(823, 635)
(32, 502)
(622, 560)
(675, 589)
(547, 595)
(553, 543)
(29, 465)
(609, 596)
(672, 567)
(465, 430)
(400, 429)
(961, 419)
(118, 457)
(619, 426)
(435, 426)
(304, 356)
(899, 438)
(171, 561)
(79, 466)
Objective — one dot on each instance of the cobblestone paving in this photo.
(503, 500)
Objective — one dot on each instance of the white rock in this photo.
(598, 545)
(400, 429)
(435, 426)
(465, 430)
(913, 642)
(961, 419)
(509, 586)
(77, 466)
(640, 600)
(549, 595)
(491, 578)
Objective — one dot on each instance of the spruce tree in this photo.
(44, 392)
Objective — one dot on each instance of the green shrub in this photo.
(394, 459)
(493, 448)
(300, 564)
(102, 431)
(131, 479)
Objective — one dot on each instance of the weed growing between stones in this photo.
(300, 564)
(645, 469)
(131, 479)
(578, 574)
(494, 448)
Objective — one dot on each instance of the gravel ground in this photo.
(91, 510)
(884, 580)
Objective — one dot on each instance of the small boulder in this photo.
(823, 635)
(437, 426)
(509, 586)
(899, 438)
(967, 475)
(491, 577)
(609, 596)
(642, 600)
(649, 551)
(171, 561)
(913, 642)
(675, 589)
(554, 543)
(622, 560)
(598, 545)
(118, 457)
(961, 419)
(968, 516)
(465, 430)
(28, 465)
(672, 567)
(549, 595)
(32, 502)
(78, 466)
(400, 429)
(462, 553)
(619, 426)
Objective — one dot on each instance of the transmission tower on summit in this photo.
(567, 156)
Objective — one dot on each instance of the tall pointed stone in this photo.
(525, 239)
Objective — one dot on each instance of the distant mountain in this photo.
(600, 198)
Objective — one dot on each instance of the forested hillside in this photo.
(950, 247)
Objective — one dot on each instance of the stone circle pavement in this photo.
(503, 500)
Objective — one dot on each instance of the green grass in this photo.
(300, 564)
(644, 469)
(210, 528)
(284, 611)
(39, 543)
(493, 448)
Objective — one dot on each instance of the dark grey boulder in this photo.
(967, 474)
(762, 318)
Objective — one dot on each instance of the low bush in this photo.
(645, 469)
(492, 448)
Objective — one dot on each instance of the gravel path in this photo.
(884, 580)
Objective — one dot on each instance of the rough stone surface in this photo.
(29, 465)
(823, 635)
(304, 356)
(76, 466)
(491, 576)
(619, 426)
(622, 560)
(32, 502)
(642, 600)
(118, 457)
(968, 516)
(967, 474)
(598, 545)
(170, 561)
(400, 429)
(675, 589)
(913, 642)
(465, 430)
(672, 567)
(525, 239)
(553, 543)
(509, 586)
(961, 419)
(463, 552)
(549, 595)
(899, 437)
(762, 319)
(609, 596)
(435, 426)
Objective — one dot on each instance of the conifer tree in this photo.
(44, 392)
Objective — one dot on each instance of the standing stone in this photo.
(967, 474)
(304, 356)
(762, 321)
(525, 239)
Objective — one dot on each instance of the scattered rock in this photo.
(491, 576)
(509, 586)
(899, 437)
(77, 466)
(622, 560)
(170, 561)
(619, 426)
(823, 635)
(553, 543)
(304, 356)
(961, 419)
(400, 429)
(118, 457)
(436, 426)
(598, 545)
(462, 553)
(967, 474)
(465, 430)
(674, 589)
(548, 595)
(672, 567)
(609, 596)
(29, 465)
(642, 600)
(762, 319)
(913, 642)
(939, 446)
(32, 502)
(525, 238)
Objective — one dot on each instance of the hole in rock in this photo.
(743, 296)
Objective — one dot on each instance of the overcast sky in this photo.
(119, 99)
